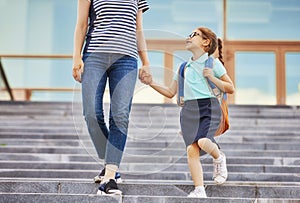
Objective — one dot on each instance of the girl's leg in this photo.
(220, 169)
(193, 154)
(209, 147)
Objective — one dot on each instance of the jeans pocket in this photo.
(85, 56)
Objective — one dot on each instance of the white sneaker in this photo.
(198, 193)
(220, 170)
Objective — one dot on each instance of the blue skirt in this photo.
(200, 119)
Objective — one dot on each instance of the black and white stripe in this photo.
(112, 27)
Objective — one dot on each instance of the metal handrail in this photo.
(172, 45)
(28, 91)
(7, 86)
(37, 56)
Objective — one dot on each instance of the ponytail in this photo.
(220, 46)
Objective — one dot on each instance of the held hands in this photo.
(78, 68)
(145, 76)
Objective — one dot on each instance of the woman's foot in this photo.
(99, 178)
(109, 188)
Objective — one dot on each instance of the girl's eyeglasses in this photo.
(193, 34)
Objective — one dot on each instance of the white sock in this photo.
(219, 159)
(200, 188)
(110, 172)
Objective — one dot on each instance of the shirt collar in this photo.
(200, 60)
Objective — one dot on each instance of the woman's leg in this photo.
(122, 79)
(94, 80)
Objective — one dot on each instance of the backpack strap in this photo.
(211, 86)
(180, 81)
(209, 63)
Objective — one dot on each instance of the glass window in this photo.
(292, 79)
(179, 58)
(144, 93)
(38, 73)
(255, 76)
(177, 18)
(263, 20)
(40, 27)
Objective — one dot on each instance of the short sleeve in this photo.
(143, 5)
(219, 69)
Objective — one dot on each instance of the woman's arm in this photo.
(79, 36)
(141, 43)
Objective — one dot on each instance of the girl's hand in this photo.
(143, 70)
(144, 75)
(78, 68)
(208, 73)
(147, 79)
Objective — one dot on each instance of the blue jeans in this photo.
(121, 73)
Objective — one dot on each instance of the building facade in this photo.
(261, 46)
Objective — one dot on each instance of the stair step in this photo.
(146, 159)
(131, 167)
(53, 198)
(147, 151)
(46, 155)
(160, 175)
(151, 145)
(138, 189)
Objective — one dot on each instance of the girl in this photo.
(200, 115)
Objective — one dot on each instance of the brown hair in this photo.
(208, 34)
(220, 46)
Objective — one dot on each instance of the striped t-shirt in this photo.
(112, 26)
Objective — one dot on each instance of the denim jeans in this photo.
(121, 73)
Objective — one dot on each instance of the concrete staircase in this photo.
(46, 156)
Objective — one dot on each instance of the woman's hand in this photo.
(145, 76)
(78, 68)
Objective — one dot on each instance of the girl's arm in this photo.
(167, 91)
(224, 83)
(79, 36)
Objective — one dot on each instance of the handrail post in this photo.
(3, 75)
(28, 93)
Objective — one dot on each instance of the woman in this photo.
(113, 37)
(200, 114)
